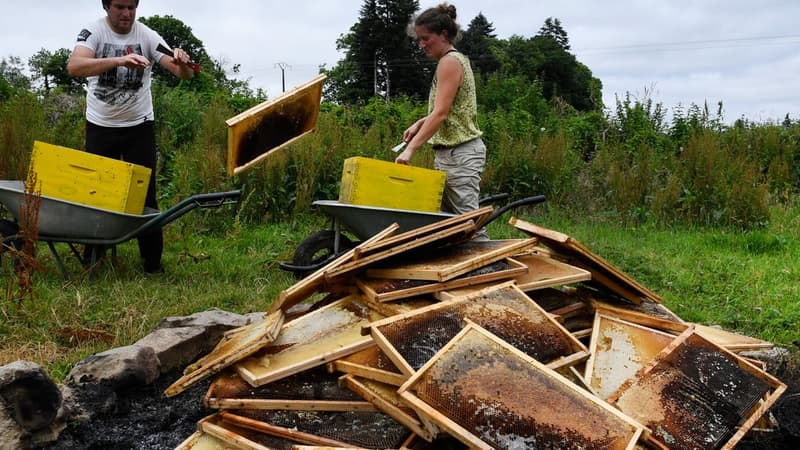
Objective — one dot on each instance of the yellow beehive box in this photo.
(93, 180)
(372, 182)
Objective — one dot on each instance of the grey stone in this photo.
(12, 436)
(177, 347)
(121, 367)
(31, 398)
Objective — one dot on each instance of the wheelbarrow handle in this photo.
(536, 199)
(214, 199)
(493, 199)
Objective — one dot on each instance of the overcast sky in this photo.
(745, 53)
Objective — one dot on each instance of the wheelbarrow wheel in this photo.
(317, 248)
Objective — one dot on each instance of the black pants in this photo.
(136, 145)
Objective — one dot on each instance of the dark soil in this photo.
(144, 419)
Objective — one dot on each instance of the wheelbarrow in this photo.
(322, 247)
(62, 221)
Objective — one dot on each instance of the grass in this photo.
(745, 282)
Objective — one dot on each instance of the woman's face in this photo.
(434, 45)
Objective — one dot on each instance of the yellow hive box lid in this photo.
(373, 182)
(89, 179)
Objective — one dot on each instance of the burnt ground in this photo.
(144, 419)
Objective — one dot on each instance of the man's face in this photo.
(121, 14)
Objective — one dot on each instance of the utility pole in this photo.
(283, 66)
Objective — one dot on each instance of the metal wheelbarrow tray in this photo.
(75, 223)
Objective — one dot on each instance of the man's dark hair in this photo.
(107, 3)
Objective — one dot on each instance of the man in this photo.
(116, 53)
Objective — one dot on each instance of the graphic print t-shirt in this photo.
(120, 97)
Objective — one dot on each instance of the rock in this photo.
(121, 367)
(84, 402)
(31, 398)
(177, 347)
(11, 434)
(215, 321)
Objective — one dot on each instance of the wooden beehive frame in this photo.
(579, 350)
(363, 364)
(385, 398)
(405, 237)
(312, 283)
(227, 433)
(401, 306)
(448, 263)
(660, 362)
(240, 125)
(543, 272)
(375, 291)
(213, 400)
(455, 232)
(731, 341)
(573, 252)
(235, 345)
(580, 398)
(323, 335)
(618, 349)
(282, 432)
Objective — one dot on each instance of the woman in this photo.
(451, 124)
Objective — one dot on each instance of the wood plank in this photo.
(262, 130)
(234, 347)
(314, 282)
(578, 255)
(485, 370)
(388, 289)
(328, 333)
(451, 261)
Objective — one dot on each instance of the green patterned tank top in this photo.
(461, 124)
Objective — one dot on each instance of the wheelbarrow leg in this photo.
(59, 263)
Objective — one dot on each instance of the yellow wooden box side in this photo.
(93, 180)
(373, 182)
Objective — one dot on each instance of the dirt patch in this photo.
(143, 419)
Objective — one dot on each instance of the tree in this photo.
(552, 29)
(51, 68)
(12, 77)
(478, 42)
(380, 58)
